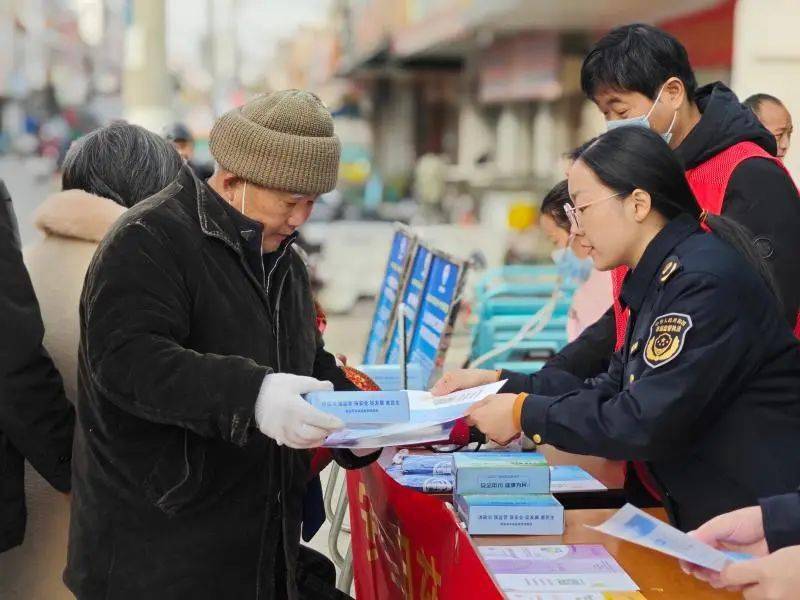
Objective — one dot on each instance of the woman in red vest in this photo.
(708, 363)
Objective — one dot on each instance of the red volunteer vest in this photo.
(708, 181)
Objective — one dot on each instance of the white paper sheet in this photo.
(430, 421)
(634, 525)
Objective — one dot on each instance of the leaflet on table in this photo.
(571, 478)
(427, 411)
(562, 569)
(634, 525)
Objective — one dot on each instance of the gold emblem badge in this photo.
(668, 269)
(667, 334)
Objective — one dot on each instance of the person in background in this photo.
(36, 419)
(773, 115)
(179, 136)
(95, 193)
(198, 341)
(770, 532)
(592, 298)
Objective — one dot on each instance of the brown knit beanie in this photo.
(281, 141)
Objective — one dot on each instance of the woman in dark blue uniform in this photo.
(704, 397)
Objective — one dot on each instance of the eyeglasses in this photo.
(574, 211)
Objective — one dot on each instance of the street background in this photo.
(454, 115)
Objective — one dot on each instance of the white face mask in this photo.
(644, 120)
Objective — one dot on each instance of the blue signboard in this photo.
(434, 312)
(412, 296)
(387, 295)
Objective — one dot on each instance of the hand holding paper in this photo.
(282, 414)
(494, 416)
(634, 525)
(739, 531)
(774, 576)
(463, 379)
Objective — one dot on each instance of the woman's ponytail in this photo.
(741, 239)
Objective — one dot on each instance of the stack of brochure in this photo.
(580, 572)
(430, 419)
(499, 493)
(433, 473)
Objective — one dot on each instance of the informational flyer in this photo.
(431, 416)
(571, 478)
(634, 525)
(563, 569)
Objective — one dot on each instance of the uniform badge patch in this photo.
(667, 334)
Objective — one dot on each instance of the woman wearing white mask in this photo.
(593, 294)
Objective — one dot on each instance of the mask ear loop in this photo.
(658, 97)
(652, 108)
(244, 196)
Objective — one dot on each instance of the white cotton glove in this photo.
(282, 414)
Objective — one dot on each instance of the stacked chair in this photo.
(519, 317)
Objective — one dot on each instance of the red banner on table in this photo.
(407, 545)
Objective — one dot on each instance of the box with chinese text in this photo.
(501, 473)
(363, 408)
(524, 514)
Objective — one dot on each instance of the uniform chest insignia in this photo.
(667, 334)
(669, 268)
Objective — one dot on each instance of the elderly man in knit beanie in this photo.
(198, 340)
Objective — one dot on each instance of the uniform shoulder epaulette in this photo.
(668, 269)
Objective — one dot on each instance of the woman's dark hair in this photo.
(123, 162)
(630, 158)
(576, 152)
(636, 58)
(553, 204)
